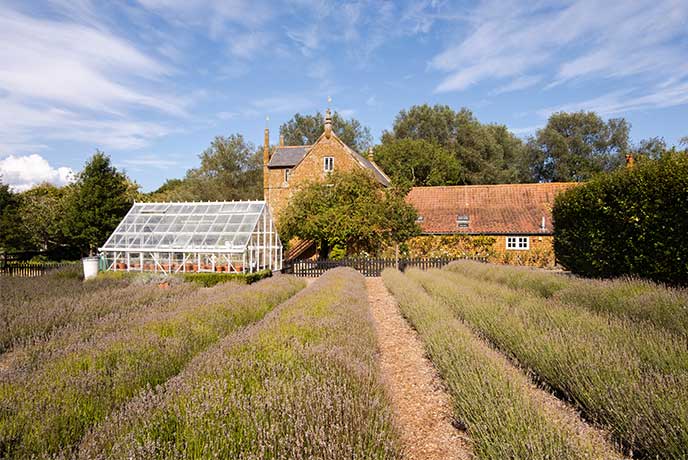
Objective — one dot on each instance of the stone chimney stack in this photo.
(266, 160)
(630, 161)
(281, 140)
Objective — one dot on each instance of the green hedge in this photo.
(211, 279)
(630, 222)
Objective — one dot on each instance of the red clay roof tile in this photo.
(491, 209)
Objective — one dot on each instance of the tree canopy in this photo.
(41, 209)
(230, 169)
(349, 210)
(418, 162)
(576, 146)
(12, 236)
(306, 129)
(487, 153)
(96, 203)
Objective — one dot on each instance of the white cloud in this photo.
(517, 84)
(23, 172)
(561, 40)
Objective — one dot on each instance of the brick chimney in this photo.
(281, 140)
(266, 160)
(630, 161)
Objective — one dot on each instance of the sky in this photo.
(151, 82)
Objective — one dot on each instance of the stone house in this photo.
(285, 167)
(508, 223)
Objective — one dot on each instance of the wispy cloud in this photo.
(561, 40)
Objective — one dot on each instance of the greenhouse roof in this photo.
(191, 226)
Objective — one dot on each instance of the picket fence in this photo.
(29, 269)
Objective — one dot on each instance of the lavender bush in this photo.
(493, 400)
(301, 384)
(46, 412)
(637, 300)
(631, 380)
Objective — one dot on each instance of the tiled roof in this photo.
(288, 156)
(491, 209)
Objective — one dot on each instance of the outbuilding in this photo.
(182, 237)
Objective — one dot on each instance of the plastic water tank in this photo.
(90, 267)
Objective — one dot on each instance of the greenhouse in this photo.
(222, 237)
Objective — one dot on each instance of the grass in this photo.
(301, 384)
(630, 379)
(636, 300)
(494, 401)
(47, 411)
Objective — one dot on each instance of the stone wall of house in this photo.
(540, 253)
(310, 169)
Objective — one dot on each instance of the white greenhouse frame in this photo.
(183, 237)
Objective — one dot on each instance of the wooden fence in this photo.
(367, 267)
(29, 269)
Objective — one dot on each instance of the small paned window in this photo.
(287, 173)
(328, 164)
(419, 219)
(521, 243)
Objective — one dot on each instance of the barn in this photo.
(182, 237)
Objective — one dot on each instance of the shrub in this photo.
(211, 279)
(298, 385)
(630, 222)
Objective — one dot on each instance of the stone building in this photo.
(508, 223)
(286, 167)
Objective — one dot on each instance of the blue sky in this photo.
(151, 82)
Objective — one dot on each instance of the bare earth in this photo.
(421, 404)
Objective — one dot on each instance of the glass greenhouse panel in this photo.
(221, 237)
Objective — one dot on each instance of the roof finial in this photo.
(328, 119)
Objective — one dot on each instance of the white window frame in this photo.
(287, 173)
(328, 166)
(518, 243)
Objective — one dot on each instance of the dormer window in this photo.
(462, 221)
(328, 164)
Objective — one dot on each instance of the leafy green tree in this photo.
(231, 169)
(576, 146)
(12, 235)
(418, 162)
(96, 203)
(306, 129)
(349, 210)
(489, 154)
(42, 210)
(650, 149)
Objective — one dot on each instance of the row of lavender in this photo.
(608, 348)
(297, 385)
(112, 342)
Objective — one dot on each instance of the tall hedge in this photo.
(630, 222)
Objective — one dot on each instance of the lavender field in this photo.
(533, 365)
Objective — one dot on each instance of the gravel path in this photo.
(421, 404)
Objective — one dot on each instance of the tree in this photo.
(652, 148)
(489, 154)
(42, 210)
(96, 203)
(306, 129)
(231, 169)
(576, 146)
(350, 210)
(12, 235)
(418, 162)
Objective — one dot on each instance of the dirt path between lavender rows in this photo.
(421, 404)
